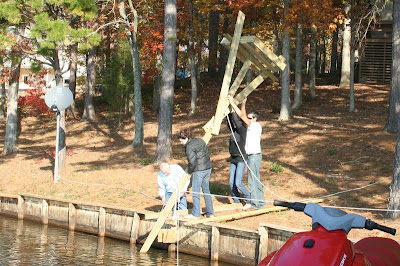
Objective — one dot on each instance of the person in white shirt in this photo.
(168, 179)
(253, 150)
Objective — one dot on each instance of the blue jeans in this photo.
(201, 179)
(236, 173)
(257, 193)
(182, 203)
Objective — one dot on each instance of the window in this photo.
(26, 79)
(66, 81)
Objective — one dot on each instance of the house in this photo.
(376, 59)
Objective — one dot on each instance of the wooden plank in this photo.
(259, 55)
(214, 243)
(20, 207)
(263, 248)
(239, 78)
(248, 55)
(71, 217)
(241, 215)
(168, 236)
(249, 88)
(163, 216)
(134, 228)
(271, 56)
(228, 74)
(45, 212)
(102, 222)
(235, 216)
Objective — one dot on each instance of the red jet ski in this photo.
(327, 243)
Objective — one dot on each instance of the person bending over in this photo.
(167, 180)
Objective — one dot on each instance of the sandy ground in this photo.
(323, 150)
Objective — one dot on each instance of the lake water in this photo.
(25, 242)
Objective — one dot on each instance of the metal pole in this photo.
(57, 144)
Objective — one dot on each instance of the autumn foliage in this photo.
(33, 100)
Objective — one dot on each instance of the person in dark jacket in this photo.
(237, 150)
(199, 164)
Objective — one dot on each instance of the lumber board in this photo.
(271, 56)
(260, 56)
(228, 74)
(239, 78)
(163, 216)
(249, 88)
(241, 215)
(244, 55)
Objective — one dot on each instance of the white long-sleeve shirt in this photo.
(168, 183)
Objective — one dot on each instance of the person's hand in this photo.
(244, 100)
(181, 194)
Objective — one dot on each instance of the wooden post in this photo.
(214, 243)
(228, 74)
(134, 228)
(45, 212)
(102, 222)
(71, 217)
(263, 248)
(21, 202)
(240, 77)
(249, 88)
(163, 216)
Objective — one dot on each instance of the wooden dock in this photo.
(210, 240)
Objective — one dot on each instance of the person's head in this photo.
(165, 168)
(184, 136)
(253, 116)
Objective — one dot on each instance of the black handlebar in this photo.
(297, 206)
(371, 225)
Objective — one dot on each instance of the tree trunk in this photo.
(192, 63)
(163, 149)
(137, 71)
(318, 58)
(298, 87)
(198, 66)
(72, 76)
(394, 106)
(286, 112)
(213, 42)
(10, 140)
(351, 92)
(223, 53)
(394, 194)
(334, 53)
(275, 38)
(89, 112)
(345, 76)
(2, 96)
(352, 54)
(311, 68)
(323, 66)
(156, 92)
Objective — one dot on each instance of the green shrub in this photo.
(276, 167)
(332, 151)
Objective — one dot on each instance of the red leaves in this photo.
(34, 98)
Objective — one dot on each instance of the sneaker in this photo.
(190, 217)
(209, 215)
(247, 206)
